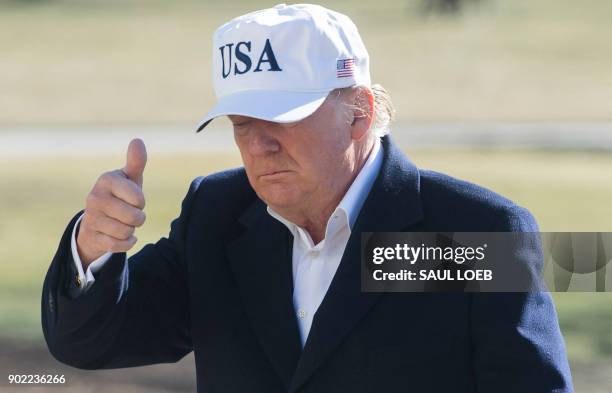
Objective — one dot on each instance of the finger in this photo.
(110, 244)
(117, 209)
(136, 161)
(112, 227)
(127, 190)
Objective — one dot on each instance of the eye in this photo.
(241, 128)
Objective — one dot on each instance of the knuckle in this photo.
(97, 202)
(107, 180)
(89, 221)
(141, 200)
(104, 179)
(86, 224)
(138, 217)
(86, 220)
(132, 241)
(136, 199)
(143, 218)
(126, 231)
(91, 199)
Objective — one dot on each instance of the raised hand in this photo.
(114, 208)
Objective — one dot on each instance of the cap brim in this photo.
(276, 106)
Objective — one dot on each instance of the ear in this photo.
(363, 112)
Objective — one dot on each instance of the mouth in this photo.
(273, 175)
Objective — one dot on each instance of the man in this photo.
(260, 275)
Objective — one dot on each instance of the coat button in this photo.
(51, 308)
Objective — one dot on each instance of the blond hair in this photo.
(384, 111)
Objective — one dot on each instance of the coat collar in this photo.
(261, 261)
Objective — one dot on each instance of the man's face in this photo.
(294, 166)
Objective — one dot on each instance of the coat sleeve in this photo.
(518, 345)
(141, 319)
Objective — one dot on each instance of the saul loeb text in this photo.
(432, 259)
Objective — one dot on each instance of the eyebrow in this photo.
(242, 123)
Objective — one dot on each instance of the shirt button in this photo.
(301, 313)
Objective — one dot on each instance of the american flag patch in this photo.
(345, 68)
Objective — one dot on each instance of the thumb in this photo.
(135, 161)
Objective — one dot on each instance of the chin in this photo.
(278, 195)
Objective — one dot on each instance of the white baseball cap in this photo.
(279, 64)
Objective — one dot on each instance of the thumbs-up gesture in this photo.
(114, 208)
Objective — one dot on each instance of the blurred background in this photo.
(515, 95)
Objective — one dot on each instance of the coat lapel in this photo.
(261, 261)
(392, 205)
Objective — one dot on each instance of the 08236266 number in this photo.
(36, 379)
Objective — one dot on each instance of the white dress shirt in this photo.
(314, 266)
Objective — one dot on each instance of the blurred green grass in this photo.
(566, 191)
(136, 61)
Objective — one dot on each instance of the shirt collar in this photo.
(348, 209)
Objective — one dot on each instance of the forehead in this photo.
(238, 118)
(246, 120)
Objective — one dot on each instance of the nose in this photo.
(261, 141)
